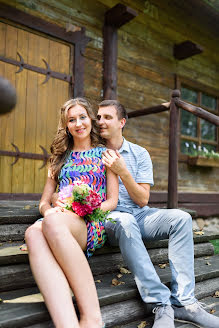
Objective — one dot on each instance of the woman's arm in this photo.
(49, 189)
(112, 191)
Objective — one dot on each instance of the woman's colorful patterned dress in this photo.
(87, 167)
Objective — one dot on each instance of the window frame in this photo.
(199, 88)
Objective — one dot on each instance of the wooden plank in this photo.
(31, 113)
(20, 196)
(64, 64)
(41, 123)
(211, 302)
(119, 15)
(186, 49)
(13, 232)
(8, 131)
(20, 113)
(197, 111)
(109, 296)
(10, 252)
(149, 110)
(204, 210)
(39, 24)
(3, 117)
(53, 85)
(18, 275)
(185, 197)
(28, 213)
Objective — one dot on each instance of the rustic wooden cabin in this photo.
(135, 51)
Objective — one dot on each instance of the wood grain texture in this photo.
(146, 67)
(34, 120)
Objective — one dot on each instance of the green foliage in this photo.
(216, 245)
(205, 153)
(99, 215)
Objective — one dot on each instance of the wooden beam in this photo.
(186, 49)
(114, 18)
(198, 111)
(110, 50)
(147, 111)
(119, 15)
(173, 152)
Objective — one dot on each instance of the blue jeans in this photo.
(129, 232)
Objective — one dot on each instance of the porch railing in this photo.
(174, 132)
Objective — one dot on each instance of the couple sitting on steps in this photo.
(121, 172)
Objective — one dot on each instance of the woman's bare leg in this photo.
(66, 235)
(50, 279)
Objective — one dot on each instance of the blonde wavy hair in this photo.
(63, 142)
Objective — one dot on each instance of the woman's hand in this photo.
(54, 210)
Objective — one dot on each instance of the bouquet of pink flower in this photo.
(82, 200)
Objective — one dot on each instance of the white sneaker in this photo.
(164, 316)
(197, 315)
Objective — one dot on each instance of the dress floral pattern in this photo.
(87, 166)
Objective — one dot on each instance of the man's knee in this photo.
(181, 219)
(125, 224)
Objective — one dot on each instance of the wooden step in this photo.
(19, 212)
(10, 252)
(211, 302)
(14, 231)
(25, 308)
(18, 275)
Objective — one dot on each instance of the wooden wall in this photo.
(146, 68)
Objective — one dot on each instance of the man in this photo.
(136, 221)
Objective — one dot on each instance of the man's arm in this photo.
(139, 192)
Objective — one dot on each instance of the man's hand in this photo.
(114, 161)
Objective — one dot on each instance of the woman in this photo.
(56, 244)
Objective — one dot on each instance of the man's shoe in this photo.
(164, 317)
(197, 315)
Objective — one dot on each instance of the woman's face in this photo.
(78, 122)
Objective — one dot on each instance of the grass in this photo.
(216, 245)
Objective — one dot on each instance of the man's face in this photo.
(109, 123)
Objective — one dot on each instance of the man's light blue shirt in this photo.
(140, 166)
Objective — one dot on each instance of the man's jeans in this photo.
(171, 224)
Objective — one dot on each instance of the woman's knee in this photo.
(56, 227)
(52, 227)
(33, 235)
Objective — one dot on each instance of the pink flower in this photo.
(93, 199)
(66, 192)
(81, 209)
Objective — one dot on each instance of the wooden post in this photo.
(110, 50)
(114, 19)
(173, 152)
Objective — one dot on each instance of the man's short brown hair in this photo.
(121, 111)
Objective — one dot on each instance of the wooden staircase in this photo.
(22, 305)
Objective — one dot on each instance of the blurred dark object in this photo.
(8, 96)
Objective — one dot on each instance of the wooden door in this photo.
(33, 122)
